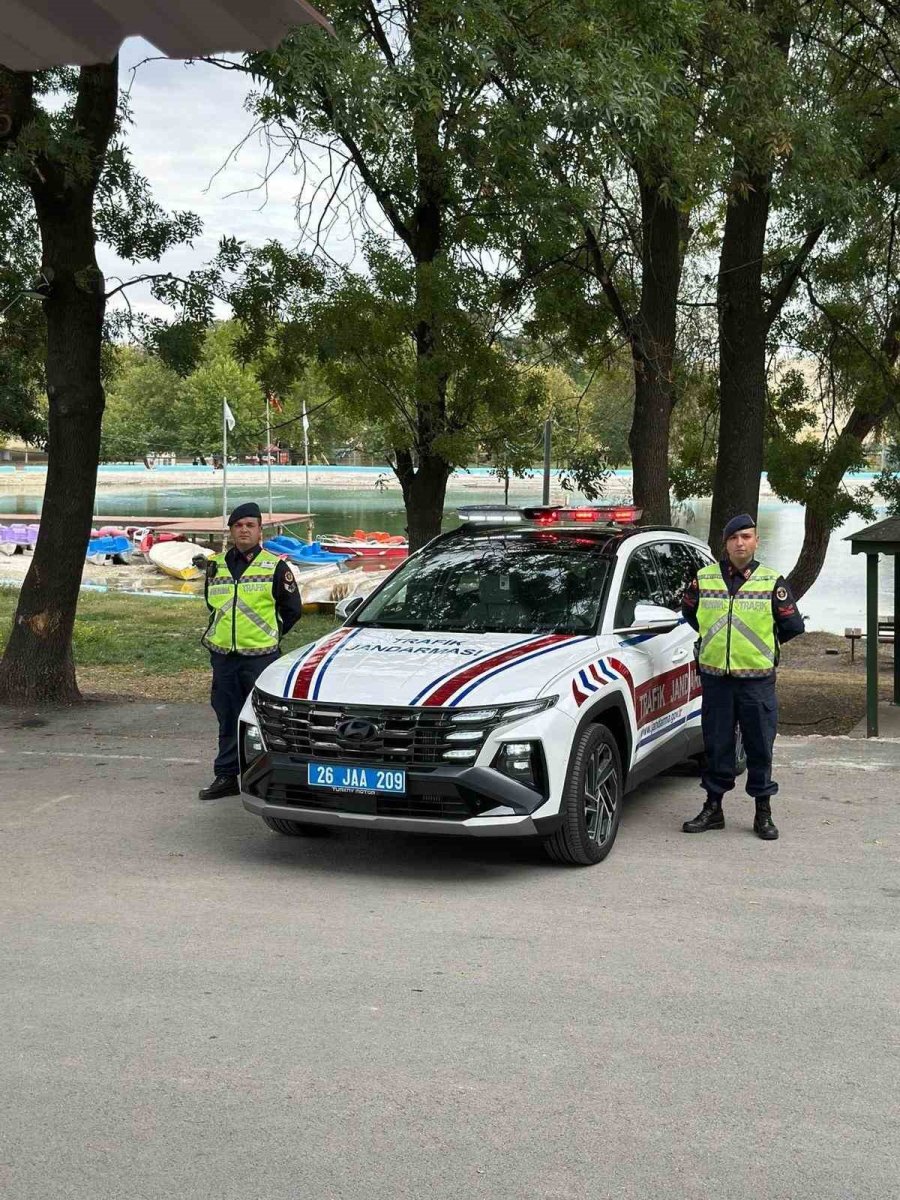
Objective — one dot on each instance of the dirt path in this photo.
(820, 690)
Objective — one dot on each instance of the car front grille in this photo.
(415, 737)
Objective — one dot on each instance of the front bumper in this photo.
(464, 801)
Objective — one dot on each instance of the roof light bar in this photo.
(490, 514)
(619, 514)
(551, 514)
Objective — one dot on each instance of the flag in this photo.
(229, 416)
(305, 419)
(275, 402)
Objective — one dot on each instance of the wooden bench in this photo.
(885, 634)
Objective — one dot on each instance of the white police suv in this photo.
(513, 678)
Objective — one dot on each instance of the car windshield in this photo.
(508, 583)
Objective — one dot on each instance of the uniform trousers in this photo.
(233, 678)
(748, 704)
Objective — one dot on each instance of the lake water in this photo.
(836, 601)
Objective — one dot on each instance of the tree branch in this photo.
(782, 292)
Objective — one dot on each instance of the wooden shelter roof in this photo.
(881, 538)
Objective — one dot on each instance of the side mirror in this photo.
(651, 618)
(346, 608)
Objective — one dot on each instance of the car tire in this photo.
(592, 801)
(294, 828)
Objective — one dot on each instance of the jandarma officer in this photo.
(743, 611)
(253, 600)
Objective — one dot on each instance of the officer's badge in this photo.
(289, 582)
(781, 593)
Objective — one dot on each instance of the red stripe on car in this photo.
(304, 675)
(461, 678)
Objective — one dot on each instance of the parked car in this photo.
(515, 677)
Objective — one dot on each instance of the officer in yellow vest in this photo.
(253, 600)
(743, 611)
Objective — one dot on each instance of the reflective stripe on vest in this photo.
(244, 618)
(737, 633)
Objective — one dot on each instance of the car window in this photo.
(677, 567)
(511, 583)
(699, 559)
(640, 585)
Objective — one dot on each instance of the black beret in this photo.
(244, 510)
(736, 524)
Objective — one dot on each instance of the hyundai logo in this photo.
(356, 729)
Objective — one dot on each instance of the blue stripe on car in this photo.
(328, 661)
(461, 667)
(591, 687)
(297, 664)
(515, 663)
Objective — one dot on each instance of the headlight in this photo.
(254, 745)
(521, 761)
(528, 708)
(470, 726)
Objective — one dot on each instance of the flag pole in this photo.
(224, 472)
(268, 452)
(306, 463)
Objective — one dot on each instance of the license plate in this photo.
(340, 777)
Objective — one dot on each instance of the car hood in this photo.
(358, 665)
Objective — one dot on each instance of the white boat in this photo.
(175, 558)
(326, 593)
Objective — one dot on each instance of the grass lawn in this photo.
(150, 648)
(147, 647)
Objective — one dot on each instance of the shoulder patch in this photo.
(781, 593)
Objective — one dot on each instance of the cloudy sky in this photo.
(188, 119)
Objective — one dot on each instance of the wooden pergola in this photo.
(882, 538)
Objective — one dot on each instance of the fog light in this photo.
(254, 745)
(521, 761)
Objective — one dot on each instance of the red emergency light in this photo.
(617, 514)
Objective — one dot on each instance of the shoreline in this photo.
(30, 481)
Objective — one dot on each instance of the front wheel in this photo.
(592, 801)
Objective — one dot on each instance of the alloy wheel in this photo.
(601, 793)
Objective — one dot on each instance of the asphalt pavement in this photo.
(196, 1007)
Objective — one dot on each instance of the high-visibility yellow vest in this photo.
(737, 633)
(243, 618)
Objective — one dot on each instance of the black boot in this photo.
(709, 817)
(763, 825)
(222, 785)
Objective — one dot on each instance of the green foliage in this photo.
(363, 331)
(22, 332)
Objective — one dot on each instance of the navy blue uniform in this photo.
(234, 674)
(749, 704)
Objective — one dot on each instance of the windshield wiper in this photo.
(415, 626)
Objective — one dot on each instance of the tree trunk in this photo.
(424, 487)
(38, 666)
(653, 353)
(743, 330)
(424, 490)
(817, 522)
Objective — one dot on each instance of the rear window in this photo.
(511, 583)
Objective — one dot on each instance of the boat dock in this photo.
(209, 527)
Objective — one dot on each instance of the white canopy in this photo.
(36, 34)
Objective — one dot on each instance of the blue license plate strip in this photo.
(346, 777)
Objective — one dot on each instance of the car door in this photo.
(677, 564)
(655, 656)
